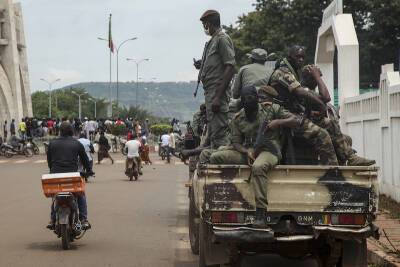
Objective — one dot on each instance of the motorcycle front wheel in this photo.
(8, 154)
(65, 238)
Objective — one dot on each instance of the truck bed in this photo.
(291, 188)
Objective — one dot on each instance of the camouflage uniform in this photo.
(342, 143)
(198, 123)
(245, 133)
(252, 74)
(219, 52)
(285, 80)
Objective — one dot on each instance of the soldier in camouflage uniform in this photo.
(285, 80)
(216, 72)
(311, 79)
(255, 73)
(245, 128)
(199, 120)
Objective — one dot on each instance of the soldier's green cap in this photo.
(209, 13)
(258, 54)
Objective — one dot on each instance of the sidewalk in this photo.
(383, 252)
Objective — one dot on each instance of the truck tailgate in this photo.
(296, 188)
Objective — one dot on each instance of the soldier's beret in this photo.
(209, 13)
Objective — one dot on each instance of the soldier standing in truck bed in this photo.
(311, 79)
(245, 130)
(253, 73)
(216, 71)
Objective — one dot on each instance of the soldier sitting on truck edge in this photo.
(285, 81)
(262, 154)
(311, 78)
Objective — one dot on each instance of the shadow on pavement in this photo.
(50, 246)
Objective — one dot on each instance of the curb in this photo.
(380, 258)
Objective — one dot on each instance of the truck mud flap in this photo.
(242, 235)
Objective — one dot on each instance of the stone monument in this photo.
(337, 32)
(15, 94)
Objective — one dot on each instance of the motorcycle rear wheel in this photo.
(8, 154)
(28, 152)
(65, 238)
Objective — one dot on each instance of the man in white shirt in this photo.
(132, 147)
(165, 144)
(89, 149)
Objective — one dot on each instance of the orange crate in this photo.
(62, 182)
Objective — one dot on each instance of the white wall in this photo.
(373, 121)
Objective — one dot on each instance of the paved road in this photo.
(136, 224)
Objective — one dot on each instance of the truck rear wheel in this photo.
(354, 254)
(203, 240)
(193, 226)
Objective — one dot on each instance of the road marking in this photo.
(179, 163)
(4, 161)
(119, 161)
(21, 161)
(40, 161)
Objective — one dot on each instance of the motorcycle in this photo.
(68, 227)
(19, 147)
(114, 146)
(34, 146)
(122, 146)
(165, 153)
(132, 170)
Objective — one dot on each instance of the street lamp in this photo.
(137, 62)
(127, 40)
(95, 106)
(79, 101)
(50, 88)
(117, 50)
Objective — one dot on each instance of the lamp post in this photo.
(131, 39)
(79, 101)
(137, 62)
(95, 106)
(50, 88)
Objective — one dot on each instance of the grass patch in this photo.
(388, 204)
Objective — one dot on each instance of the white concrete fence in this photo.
(373, 121)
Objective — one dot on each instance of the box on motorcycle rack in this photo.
(62, 182)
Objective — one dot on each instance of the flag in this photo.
(110, 41)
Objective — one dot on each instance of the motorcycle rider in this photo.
(62, 157)
(132, 147)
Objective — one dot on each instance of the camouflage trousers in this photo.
(217, 122)
(341, 142)
(320, 140)
(265, 162)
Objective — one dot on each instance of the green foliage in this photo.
(277, 24)
(159, 129)
(118, 130)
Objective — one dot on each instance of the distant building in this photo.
(15, 94)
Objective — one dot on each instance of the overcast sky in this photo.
(62, 37)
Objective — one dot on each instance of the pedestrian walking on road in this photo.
(12, 127)
(104, 147)
(5, 131)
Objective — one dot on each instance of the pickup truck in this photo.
(322, 212)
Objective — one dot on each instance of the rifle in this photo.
(260, 137)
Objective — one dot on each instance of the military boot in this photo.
(355, 160)
(260, 220)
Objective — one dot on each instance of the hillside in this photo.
(166, 99)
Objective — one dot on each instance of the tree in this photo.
(277, 24)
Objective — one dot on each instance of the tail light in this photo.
(347, 219)
(227, 217)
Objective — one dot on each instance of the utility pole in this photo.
(79, 103)
(137, 62)
(50, 88)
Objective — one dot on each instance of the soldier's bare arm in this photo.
(322, 88)
(303, 93)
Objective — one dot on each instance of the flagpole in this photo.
(110, 88)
